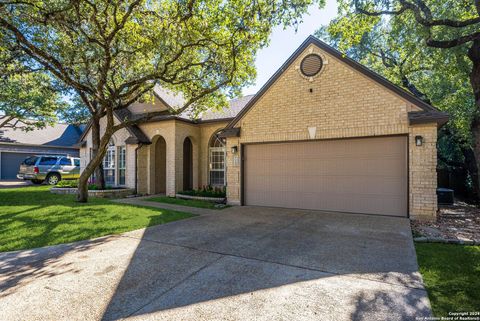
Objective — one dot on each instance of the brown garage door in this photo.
(367, 175)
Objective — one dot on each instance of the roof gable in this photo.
(61, 135)
(440, 117)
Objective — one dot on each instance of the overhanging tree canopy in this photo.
(113, 52)
(28, 98)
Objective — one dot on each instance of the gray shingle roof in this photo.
(134, 130)
(57, 135)
(173, 100)
(235, 106)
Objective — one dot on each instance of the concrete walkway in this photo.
(240, 263)
(143, 201)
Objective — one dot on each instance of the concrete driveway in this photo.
(241, 263)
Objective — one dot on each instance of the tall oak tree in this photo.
(111, 53)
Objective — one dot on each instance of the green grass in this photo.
(191, 203)
(452, 276)
(32, 217)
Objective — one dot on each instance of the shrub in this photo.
(68, 184)
(74, 184)
(207, 191)
(94, 187)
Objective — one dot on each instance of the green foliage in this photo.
(118, 50)
(452, 276)
(75, 112)
(68, 183)
(95, 187)
(394, 46)
(111, 53)
(32, 217)
(192, 203)
(74, 184)
(208, 191)
(28, 100)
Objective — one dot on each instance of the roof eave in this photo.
(39, 145)
(230, 132)
(440, 118)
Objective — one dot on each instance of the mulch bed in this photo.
(459, 222)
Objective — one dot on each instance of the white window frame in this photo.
(109, 162)
(211, 152)
(122, 150)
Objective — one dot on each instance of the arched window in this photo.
(216, 160)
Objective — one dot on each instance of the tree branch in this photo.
(454, 42)
(417, 10)
(42, 57)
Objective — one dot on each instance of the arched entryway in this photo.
(160, 168)
(187, 164)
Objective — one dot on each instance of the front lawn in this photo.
(32, 217)
(452, 276)
(191, 203)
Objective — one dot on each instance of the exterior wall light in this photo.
(234, 149)
(418, 140)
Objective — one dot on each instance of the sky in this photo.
(283, 42)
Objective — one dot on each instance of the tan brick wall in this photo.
(342, 103)
(142, 170)
(423, 174)
(174, 132)
(165, 129)
(233, 172)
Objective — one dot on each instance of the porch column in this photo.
(171, 164)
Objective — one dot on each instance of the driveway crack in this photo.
(223, 254)
(176, 284)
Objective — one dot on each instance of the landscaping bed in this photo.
(201, 198)
(33, 217)
(187, 202)
(102, 193)
(71, 186)
(459, 223)
(206, 193)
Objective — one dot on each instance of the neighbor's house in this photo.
(16, 145)
(323, 133)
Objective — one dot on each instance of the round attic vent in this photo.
(311, 65)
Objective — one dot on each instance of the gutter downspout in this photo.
(140, 145)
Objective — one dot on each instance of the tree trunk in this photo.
(99, 176)
(82, 193)
(472, 170)
(99, 148)
(474, 55)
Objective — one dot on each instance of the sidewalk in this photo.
(142, 201)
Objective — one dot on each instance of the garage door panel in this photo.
(356, 175)
(10, 164)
